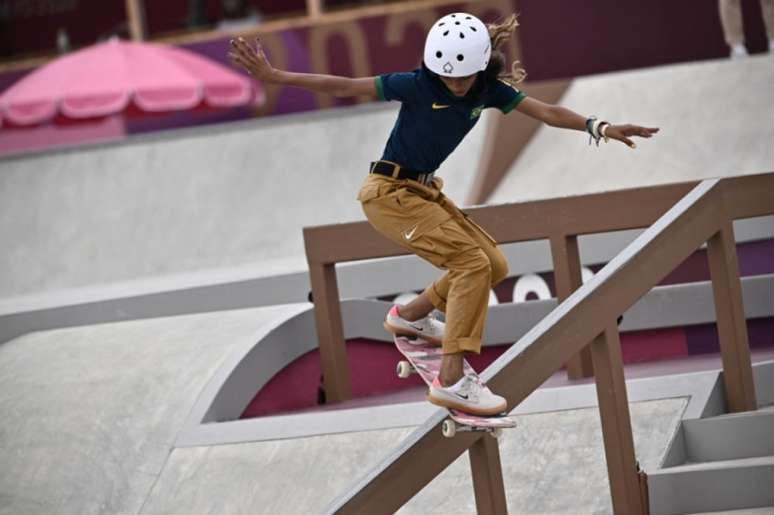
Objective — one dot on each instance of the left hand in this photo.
(623, 133)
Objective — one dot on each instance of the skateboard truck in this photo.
(451, 428)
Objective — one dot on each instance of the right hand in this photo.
(252, 60)
(623, 133)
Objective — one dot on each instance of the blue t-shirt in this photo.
(432, 120)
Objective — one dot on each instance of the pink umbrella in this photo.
(103, 79)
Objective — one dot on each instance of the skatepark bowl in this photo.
(154, 359)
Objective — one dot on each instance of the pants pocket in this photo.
(479, 229)
(441, 243)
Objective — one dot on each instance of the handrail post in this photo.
(622, 470)
(568, 278)
(330, 332)
(731, 324)
(487, 476)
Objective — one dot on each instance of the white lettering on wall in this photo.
(530, 283)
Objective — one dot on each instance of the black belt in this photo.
(398, 172)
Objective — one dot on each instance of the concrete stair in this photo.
(721, 464)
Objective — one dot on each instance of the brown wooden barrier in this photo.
(680, 217)
(558, 220)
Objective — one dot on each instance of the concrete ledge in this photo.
(698, 388)
(728, 437)
(268, 284)
(724, 485)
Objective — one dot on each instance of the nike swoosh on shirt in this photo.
(439, 106)
(408, 235)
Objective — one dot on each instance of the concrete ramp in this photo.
(302, 476)
(215, 198)
(236, 196)
(88, 415)
(89, 418)
(715, 119)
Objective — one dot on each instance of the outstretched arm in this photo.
(558, 116)
(254, 61)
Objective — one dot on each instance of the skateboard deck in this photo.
(425, 360)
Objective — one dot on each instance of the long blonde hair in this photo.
(499, 34)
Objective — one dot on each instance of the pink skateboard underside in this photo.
(426, 359)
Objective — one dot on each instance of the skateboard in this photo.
(424, 359)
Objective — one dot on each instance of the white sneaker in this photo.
(469, 394)
(738, 52)
(427, 328)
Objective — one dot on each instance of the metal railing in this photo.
(681, 217)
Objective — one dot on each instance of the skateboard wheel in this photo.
(403, 369)
(497, 432)
(449, 428)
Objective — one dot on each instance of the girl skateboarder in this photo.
(462, 74)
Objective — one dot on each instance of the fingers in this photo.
(646, 132)
(237, 60)
(642, 132)
(243, 55)
(259, 48)
(237, 57)
(623, 133)
(240, 47)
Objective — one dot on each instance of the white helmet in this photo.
(457, 46)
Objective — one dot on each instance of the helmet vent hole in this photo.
(460, 57)
(446, 33)
(473, 29)
(453, 15)
(439, 54)
(462, 36)
(468, 18)
(456, 23)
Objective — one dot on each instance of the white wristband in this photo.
(595, 129)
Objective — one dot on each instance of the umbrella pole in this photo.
(135, 15)
(314, 8)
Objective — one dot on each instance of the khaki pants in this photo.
(731, 19)
(423, 220)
